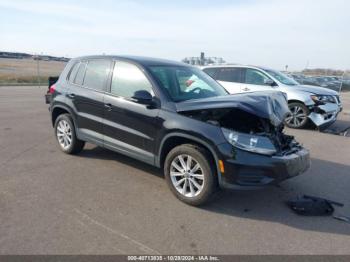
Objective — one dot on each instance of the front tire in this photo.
(66, 136)
(190, 174)
(297, 118)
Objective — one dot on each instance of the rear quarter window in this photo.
(79, 78)
(73, 72)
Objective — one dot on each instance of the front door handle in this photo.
(246, 89)
(108, 107)
(71, 95)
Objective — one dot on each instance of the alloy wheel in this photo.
(64, 134)
(297, 116)
(187, 175)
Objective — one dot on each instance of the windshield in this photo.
(185, 83)
(282, 78)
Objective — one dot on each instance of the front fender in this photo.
(303, 97)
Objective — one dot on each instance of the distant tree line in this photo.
(15, 55)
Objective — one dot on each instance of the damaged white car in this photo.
(306, 103)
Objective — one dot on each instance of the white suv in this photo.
(318, 104)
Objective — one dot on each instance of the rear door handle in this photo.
(246, 89)
(108, 107)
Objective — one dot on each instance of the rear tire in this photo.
(190, 174)
(66, 136)
(298, 118)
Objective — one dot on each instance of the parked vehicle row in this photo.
(332, 82)
(306, 103)
(178, 118)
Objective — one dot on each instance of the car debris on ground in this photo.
(313, 206)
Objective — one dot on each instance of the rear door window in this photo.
(233, 74)
(96, 74)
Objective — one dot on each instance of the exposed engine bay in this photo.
(259, 114)
(244, 122)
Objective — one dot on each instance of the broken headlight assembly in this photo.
(250, 142)
(322, 99)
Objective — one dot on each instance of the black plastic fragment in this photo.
(342, 218)
(337, 131)
(312, 206)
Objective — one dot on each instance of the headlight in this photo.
(322, 99)
(252, 143)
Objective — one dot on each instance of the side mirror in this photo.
(269, 82)
(143, 97)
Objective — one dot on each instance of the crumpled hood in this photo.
(315, 90)
(271, 105)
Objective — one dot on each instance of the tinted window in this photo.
(229, 75)
(96, 74)
(79, 78)
(185, 83)
(127, 79)
(211, 71)
(255, 77)
(73, 72)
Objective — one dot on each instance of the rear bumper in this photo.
(250, 171)
(48, 98)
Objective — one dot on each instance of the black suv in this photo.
(175, 117)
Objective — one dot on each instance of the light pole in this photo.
(341, 82)
(38, 69)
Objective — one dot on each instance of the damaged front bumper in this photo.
(246, 170)
(324, 115)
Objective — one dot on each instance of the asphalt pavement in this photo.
(100, 202)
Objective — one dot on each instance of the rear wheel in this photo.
(297, 118)
(190, 174)
(65, 134)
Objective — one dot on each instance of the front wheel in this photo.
(297, 118)
(190, 174)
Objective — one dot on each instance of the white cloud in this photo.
(272, 33)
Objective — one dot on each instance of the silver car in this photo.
(306, 103)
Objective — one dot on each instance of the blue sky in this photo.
(271, 33)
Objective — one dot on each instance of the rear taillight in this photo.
(52, 89)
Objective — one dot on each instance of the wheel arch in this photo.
(59, 110)
(296, 101)
(175, 139)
